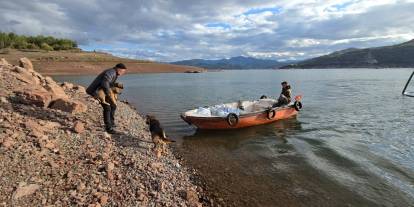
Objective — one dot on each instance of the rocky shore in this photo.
(54, 151)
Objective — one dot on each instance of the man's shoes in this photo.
(110, 131)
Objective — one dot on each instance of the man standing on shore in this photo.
(105, 81)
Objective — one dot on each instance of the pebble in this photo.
(79, 127)
(70, 160)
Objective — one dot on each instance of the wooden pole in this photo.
(406, 85)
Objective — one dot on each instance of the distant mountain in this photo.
(395, 56)
(239, 62)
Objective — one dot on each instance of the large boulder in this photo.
(26, 76)
(37, 97)
(26, 63)
(68, 105)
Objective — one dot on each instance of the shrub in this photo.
(14, 41)
(45, 46)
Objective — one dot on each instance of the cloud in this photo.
(183, 29)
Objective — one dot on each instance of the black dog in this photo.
(158, 135)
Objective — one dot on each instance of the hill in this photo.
(239, 62)
(76, 62)
(395, 56)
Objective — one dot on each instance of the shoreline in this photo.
(59, 154)
(88, 63)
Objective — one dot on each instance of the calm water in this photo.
(351, 145)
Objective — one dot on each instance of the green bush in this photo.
(32, 46)
(45, 46)
(14, 41)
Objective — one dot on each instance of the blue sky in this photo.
(183, 29)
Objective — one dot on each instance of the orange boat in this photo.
(241, 114)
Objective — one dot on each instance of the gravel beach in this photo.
(54, 151)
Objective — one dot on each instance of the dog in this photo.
(116, 90)
(158, 135)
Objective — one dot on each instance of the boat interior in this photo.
(242, 107)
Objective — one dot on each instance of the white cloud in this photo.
(303, 42)
(182, 29)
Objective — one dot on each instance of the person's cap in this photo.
(120, 66)
(284, 82)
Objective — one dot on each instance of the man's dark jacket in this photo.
(104, 80)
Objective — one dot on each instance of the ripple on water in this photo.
(352, 143)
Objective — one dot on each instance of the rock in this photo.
(79, 89)
(56, 90)
(3, 100)
(36, 133)
(66, 85)
(103, 200)
(32, 125)
(37, 75)
(25, 75)
(67, 105)
(7, 143)
(107, 135)
(79, 127)
(46, 144)
(35, 97)
(157, 166)
(26, 63)
(3, 62)
(95, 205)
(81, 187)
(192, 198)
(52, 164)
(49, 80)
(142, 197)
(109, 168)
(25, 190)
(50, 125)
(20, 70)
(35, 129)
(50, 145)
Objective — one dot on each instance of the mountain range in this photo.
(394, 56)
(239, 62)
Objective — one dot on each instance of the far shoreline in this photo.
(88, 63)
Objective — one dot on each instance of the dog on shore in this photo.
(116, 90)
(158, 136)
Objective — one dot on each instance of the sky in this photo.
(171, 30)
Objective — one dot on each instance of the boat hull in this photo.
(246, 120)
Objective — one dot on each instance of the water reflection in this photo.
(279, 132)
(350, 146)
(262, 166)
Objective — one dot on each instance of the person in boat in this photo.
(285, 96)
(105, 81)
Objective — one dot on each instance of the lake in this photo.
(351, 145)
